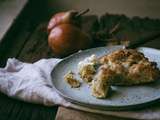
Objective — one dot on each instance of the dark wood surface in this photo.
(11, 109)
(28, 42)
(71, 114)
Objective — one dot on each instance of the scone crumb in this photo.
(87, 69)
(71, 80)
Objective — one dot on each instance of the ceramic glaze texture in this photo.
(120, 97)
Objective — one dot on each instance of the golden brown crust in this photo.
(131, 67)
(123, 55)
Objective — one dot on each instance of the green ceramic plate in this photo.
(122, 97)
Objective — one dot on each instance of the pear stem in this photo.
(82, 12)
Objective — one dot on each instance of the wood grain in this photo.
(37, 46)
(71, 114)
(21, 28)
(9, 10)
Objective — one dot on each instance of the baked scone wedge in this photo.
(101, 83)
(131, 67)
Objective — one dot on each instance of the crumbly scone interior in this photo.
(87, 68)
(71, 80)
(101, 82)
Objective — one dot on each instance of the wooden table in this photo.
(27, 41)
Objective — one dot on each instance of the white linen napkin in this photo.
(30, 82)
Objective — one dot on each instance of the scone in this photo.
(87, 68)
(131, 67)
(101, 82)
(121, 67)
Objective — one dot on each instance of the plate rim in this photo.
(98, 106)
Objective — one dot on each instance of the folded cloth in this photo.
(30, 82)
